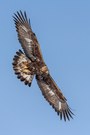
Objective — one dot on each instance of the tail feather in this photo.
(23, 68)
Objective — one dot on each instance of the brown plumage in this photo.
(31, 63)
(23, 67)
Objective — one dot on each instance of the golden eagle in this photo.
(30, 62)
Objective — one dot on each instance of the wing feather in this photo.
(23, 68)
(25, 33)
(54, 96)
(26, 37)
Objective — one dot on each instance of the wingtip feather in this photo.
(21, 17)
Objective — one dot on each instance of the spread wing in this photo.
(54, 96)
(25, 34)
(23, 68)
(26, 37)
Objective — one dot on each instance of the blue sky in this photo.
(63, 31)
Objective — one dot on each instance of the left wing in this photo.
(26, 36)
(25, 33)
(54, 96)
(23, 67)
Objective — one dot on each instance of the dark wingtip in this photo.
(21, 51)
(29, 84)
(66, 114)
(21, 17)
(70, 113)
(60, 115)
(25, 16)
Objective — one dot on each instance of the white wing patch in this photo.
(51, 93)
(59, 105)
(24, 28)
(28, 40)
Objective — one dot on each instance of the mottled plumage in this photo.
(31, 63)
(23, 67)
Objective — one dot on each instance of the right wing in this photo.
(23, 67)
(54, 96)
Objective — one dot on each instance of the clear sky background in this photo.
(63, 31)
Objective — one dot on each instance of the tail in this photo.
(23, 68)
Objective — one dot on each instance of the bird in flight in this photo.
(29, 63)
